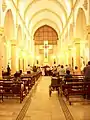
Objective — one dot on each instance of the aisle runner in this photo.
(24, 109)
(65, 109)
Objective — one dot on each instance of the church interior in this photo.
(37, 36)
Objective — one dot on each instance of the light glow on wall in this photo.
(63, 19)
(87, 53)
(68, 6)
(37, 57)
(53, 56)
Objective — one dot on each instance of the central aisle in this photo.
(43, 107)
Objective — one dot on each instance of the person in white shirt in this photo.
(62, 70)
(76, 71)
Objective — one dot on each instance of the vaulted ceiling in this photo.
(45, 12)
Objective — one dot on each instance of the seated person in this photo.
(68, 75)
(16, 77)
(18, 73)
(76, 71)
(28, 72)
(8, 70)
(54, 80)
(34, 69)
(62, 70)
(28, 69)
(53, 75)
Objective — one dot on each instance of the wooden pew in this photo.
(73, 79)
(30, 79)
(78, 76)
(1, 90)
(10, 88)
(75, 88)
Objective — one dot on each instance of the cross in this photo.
(46, 47)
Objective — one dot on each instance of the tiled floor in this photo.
(80, 110)
(42, 106)
(10, 108)
(39, 106)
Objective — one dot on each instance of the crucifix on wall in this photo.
(46, 51)
(46, 47)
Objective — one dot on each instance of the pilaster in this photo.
(13, 56)
(88, 37)
(1, 50)
(70, 54)
(77, 45)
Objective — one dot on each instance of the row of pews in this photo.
(76, 86)
(9, 87)
(72, 87)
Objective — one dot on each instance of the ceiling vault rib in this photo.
(61, 6)
(47, 10)
(20, 16)
(56, 1)
(34, 1)
(73, 7)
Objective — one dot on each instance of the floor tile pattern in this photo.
(43, 107)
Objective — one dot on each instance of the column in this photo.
(13, 56)
(77, 45)
(88, 37)
(69, 55)
(21, 63)
(58, 51)
(1, 51)
(89, 13)
(26, 62)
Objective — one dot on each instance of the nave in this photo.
(38, 105)
(43, 107)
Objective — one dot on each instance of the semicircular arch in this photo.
(45, 22)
